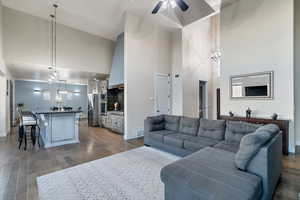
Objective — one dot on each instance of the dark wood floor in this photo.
(19, 169)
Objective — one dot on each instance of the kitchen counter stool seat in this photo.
(28, 120)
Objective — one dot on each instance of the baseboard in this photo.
(133, 137)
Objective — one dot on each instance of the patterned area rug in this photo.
(131, 175)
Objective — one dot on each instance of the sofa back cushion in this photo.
(157, 123)
(214, 129)
(252, 143)
(188, 126)
(172, 122)
(235, 130)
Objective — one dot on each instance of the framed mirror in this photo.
(252, 86)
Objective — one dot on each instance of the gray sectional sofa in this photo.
(222, 160)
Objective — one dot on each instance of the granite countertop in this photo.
(120, 113)
(58, 112)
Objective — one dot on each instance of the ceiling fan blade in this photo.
(157, 7)
(182, 5)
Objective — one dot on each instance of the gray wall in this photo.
(35, 101)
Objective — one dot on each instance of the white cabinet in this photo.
(114, 122)
(117, 123)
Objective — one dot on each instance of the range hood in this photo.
(116, 78)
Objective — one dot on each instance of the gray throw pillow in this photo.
(214, 129)
(251, 144)
(189, 126)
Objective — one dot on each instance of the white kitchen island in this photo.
(59, 127)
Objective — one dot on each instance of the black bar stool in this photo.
(28, 119)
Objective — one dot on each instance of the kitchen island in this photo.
(59, 127)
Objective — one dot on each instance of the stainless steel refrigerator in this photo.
(94, 109)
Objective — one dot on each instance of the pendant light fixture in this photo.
(54, 76)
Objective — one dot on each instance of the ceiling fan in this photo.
(173, 3)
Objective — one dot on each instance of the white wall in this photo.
(177, 83)
(4, 75)
(197, 46)
(3, 68)
(27, 41)
(191, 51)
(147, 51)
(215, 22)
(3, 114)
(257, 36)
(297, 70)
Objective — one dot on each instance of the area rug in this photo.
(131, 175)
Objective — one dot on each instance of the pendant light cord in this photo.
(52, 41)
(55, 43)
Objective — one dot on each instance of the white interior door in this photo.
(162, 94)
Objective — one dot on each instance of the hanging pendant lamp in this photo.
(53, 76)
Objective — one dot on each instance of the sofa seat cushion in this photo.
(197, 143)
(211, 174)
(235, 130)
(189, 126)
(158, 136)
(228, 146)
(171, 122)
(176, 140)
(214, 129)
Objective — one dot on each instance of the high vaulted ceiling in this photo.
(99, 17)
(104, 18)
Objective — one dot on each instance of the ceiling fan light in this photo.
(173, 3)
(164, 5)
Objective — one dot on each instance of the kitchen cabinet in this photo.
(114, 121)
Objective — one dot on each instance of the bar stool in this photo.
(28, 119)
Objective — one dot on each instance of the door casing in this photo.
(156, 75)
(203, 112)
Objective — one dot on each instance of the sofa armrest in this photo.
(155, 123)
(267, 165)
